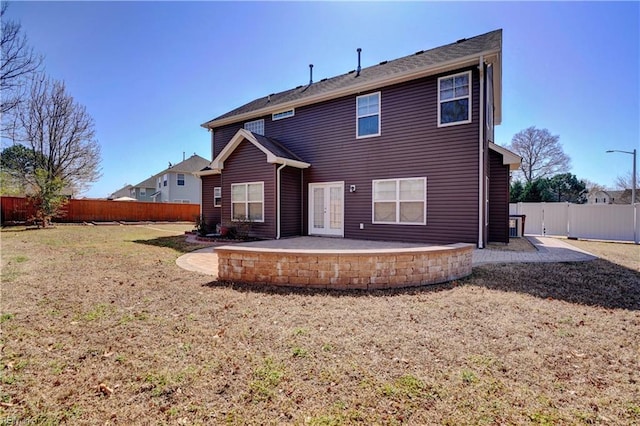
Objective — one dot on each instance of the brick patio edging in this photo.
(345, 269)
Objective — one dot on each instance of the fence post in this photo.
(636, 223)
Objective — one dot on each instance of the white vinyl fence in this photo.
(602, 222)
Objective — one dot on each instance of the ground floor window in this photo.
(217, 196)
(400, 201)
(247, 201)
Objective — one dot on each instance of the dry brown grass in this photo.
(512, 344)
(625, 254)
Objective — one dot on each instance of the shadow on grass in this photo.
(594, 283)
(307, 291)
(175, 242)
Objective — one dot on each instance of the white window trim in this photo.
(281, 115)
(249, 123)
(455, 123)
(165, 180)
(217, 195)
(246, 202)
(379, 114)
(184, 179)
(397, 201)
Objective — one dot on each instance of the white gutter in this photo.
(206, 173)
(481, 177)
(278, 195)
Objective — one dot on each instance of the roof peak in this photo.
(384, 71)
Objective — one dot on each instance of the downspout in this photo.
(213, 144)
(278, 195)
(481, 177)
(302, 216)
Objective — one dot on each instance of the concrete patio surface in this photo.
(548, 249)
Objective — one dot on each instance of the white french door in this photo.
(326, 209)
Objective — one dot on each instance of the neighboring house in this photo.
(144, 190)
(175, 184)
(400, 151)
(599, 197)
(612, 197)
(125, 191)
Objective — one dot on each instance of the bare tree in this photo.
(61, 135)
(592, 186)
(626, 181)
(541, 152)
(18, 62)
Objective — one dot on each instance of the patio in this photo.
(339, 263)
(378, 264)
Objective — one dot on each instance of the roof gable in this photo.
(276, 152)
(148, 183)
(508, 157)
(190, 165)
(440, 59)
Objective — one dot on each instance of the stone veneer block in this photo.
(345, 269)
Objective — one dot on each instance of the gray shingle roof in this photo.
(276, 147)
(192, 164)
(489, 42)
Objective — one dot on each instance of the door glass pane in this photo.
(412, 212)
(335, 210)
(384, 212)
(318, 207)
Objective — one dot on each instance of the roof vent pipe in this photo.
(358, 69)
(310, 74)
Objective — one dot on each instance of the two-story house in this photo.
(400, 151)
(177, 183)
(603, 197)
(144, 190)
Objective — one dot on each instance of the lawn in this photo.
(99, 326)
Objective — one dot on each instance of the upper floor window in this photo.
(165, 179)
(454, 99)
(247, 201)
(143, 192)
(256, 126)
(180, 179)
(400, 201)
(283, 114)
(368, 115)
(159, 183)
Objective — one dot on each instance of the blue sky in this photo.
(151, 72)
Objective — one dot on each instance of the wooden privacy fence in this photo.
(17, 209)
(600, 222)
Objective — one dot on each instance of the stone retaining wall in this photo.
(345, 269)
